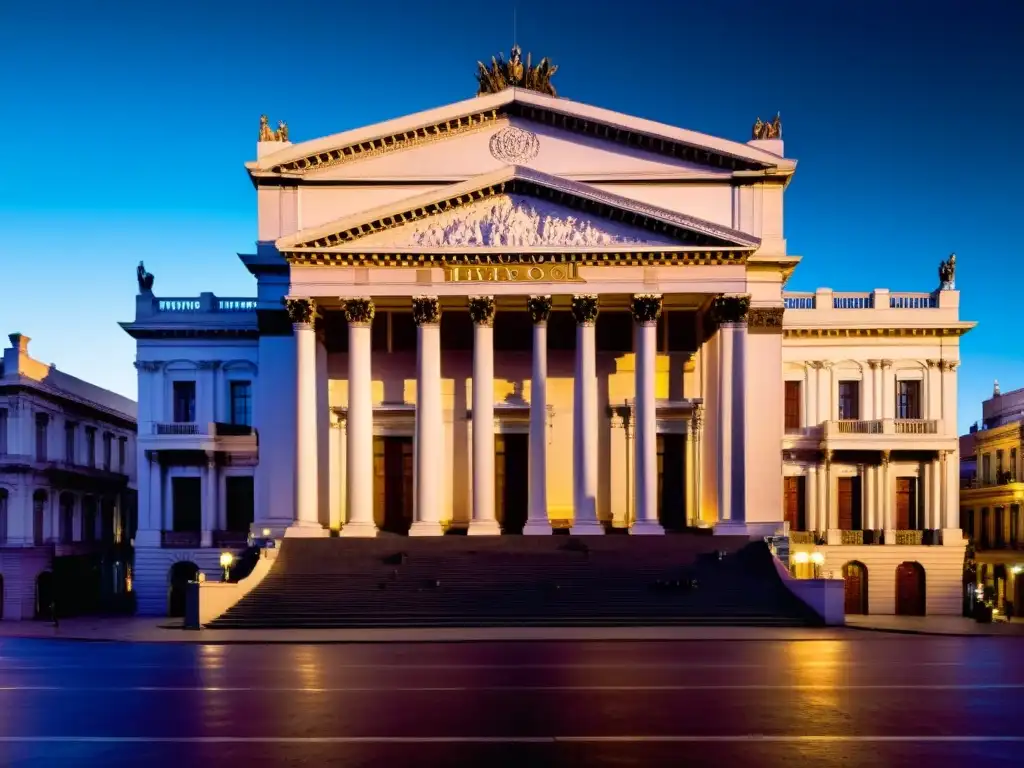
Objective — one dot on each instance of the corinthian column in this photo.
(426, 313)
(646, 309)
(537, 517)
(584, 309)
(359, 422)
(302, 313)
(484, 522)
(730, 312)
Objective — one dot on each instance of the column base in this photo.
(537, 528)
(952, 537)
(834, 537)
(206, 539)
(731, 528)
(646, 528)
(889, 536)
(586, 528)
(483, 528)
(426, 528)
(305, 530)
(358, 530)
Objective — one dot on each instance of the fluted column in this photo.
(646, 309)
(811, 498)
(483, 522)
(584, 310)
(693, 466)
(337, 472)
(359, 313)
(208, 516)
(426, 312)
(537, 522)
(935, 521)
(302, 313)
(730, 312)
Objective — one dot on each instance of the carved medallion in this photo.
(515, 146)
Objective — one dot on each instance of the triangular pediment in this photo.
(517, 208)
(487, 112)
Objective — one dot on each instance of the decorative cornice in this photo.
(766, 319)
(798, 333)
(148, 366)
(730, 309)
(886, 364)
(949, 365)
(539, 308)
(585, 308)
(646, 308)
(426, 310)
(359, 311)
(420, 259)
(481, 310)
(208, 365)
(301, 311)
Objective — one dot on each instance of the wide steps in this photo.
(526, 581)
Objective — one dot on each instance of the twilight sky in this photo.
(127, 125)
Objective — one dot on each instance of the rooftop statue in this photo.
(145, 279)
(513, 73)
(947, 273)
(269, 134)
(771, 130)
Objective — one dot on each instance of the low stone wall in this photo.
(216, 597)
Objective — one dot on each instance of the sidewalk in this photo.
(163, 630)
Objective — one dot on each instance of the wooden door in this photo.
(378, 482)
(909, 589)
(672, 482)
(792, 406)
(845, 503)
(398, 473)
(512, 480)
(904, 502)
(855, 588)
(793, 498)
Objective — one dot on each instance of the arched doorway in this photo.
(44, 595)
(855, 588)
(910, 589)
(181, 574)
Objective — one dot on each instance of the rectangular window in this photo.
(908, 400)
(42, 433)
(3, 515)
(108, 450)
(241, 403)
(3, 431)
(122, 455)
(184, 402)
(793, 391)
(849, 400)
(90, 447)
(1013, 465)
(70, 429)
(1000, 478)
(89, 518)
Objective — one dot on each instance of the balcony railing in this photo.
(177, 428)
(180, 539)
(211, 429)
(207, 302)
(909, 538)
(851, 538)
(882, 427)
(798, 301)
(881, 299)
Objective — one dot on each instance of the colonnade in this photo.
(429, 426)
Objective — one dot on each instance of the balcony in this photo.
(199, 436)
(886, 434)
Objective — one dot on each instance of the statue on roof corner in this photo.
(771, 130)
(513, 73)
(947, 273)
(269, 134)
(145, 279)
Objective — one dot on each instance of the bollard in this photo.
(192, 605)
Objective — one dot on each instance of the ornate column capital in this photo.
(539, 308)
(585, 308)
(148, 366)
(481, 310)
(873, 364)
(933, 363)
(949, 365)
(886, 364)
(730, 309)
(301, 311)
(646, 308)
(885, 458)
(359, 311)
(426, 310)
(766, 319)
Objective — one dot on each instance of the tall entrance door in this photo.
(672, 482)
(855, 588)
(910, 589)
(849, 503)
(906, 500)
(392, 484)
(511, 481)
(793, 503)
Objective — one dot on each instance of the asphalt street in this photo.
(872, 699)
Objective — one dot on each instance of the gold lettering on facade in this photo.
(554, 273)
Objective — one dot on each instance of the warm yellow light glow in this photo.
(1017, 569)
(817, 558)
(801, 557)
(226, 559)
(266, 533)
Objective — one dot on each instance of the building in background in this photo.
(518, 314)
(67, 491)
(992, 497)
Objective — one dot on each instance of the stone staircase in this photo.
(684, 579)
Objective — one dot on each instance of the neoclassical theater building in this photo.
(518, 315)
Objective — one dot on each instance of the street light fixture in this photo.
(226, 559)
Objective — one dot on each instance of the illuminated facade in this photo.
(519, 313)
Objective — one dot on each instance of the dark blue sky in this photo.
(127, 123)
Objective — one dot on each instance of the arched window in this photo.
(39, 499)
(3, 516)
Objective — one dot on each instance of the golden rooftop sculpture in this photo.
(513, 73)
(770, 130)
(269, 134)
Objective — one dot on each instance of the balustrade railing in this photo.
(798, 301)
(880, 299)
(912, 301)
(851, 538)
(856, 427)
(916, 426)
(909, 538)
(202, 304)
(801, 537)
(177, 428)
(883, 427)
